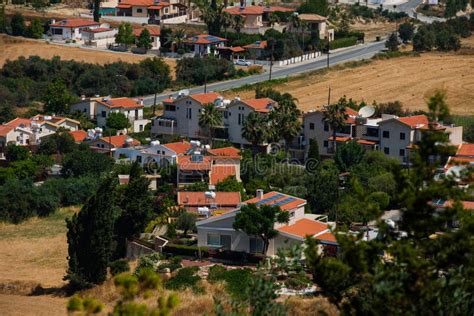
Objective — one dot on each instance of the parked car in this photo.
(242, 62)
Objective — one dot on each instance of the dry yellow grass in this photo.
(407, 79)
(14, 47)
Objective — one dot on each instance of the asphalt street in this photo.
(358, 52)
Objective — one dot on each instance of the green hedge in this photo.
(343, 42)
(183, 250)
(237, 280)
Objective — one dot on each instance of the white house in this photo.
(101, 108)
(71, 29)
(112, 143)
(205, 44)
(100, 37)
(218, 231)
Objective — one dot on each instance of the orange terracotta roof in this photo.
(236, 49)
(305, 227)
(230, 152)
(205, 39)
(260, 105)
(5, 129)
(16, 122)
(328, 236)
(78, 135)
(137, 3)
(311, 17)
(154, 31)
(98, 30)
(277, 8)
(340, 139)
(70, 23)
(185, 163)
(121, 103)
(248, 10)
(123, 6)
(285, 201)
(467, 205)
(456, 161)
(351, 111)
(220, 173)
(187, 198)
(465, 150)
(366, 142)
(204, 98)
(119, 141)
(179, 147)
(416, 121)
(257, 45)
(158, 6)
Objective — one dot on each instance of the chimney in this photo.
(259, 194)
(53, 21)
(141, 101)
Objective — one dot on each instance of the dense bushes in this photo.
(182, 250)
(442, 36)
(198, 70)
(25, 80)
(86, 162)
(343, 42)
(185, 278)
(237, 280)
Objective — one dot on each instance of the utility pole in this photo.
(205, 82)
(329, 96)
(271, 60)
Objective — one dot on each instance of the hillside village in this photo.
(191, 183)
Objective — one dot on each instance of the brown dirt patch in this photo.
(407, 79)
(13, 305)
(14, 47)
(373, 29)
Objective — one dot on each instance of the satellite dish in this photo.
(183, 92)
(367, 111)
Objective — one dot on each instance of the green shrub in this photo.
(149, 261)
(216, 273)
(237, 280)
(185, 278)
(119, 266)
(171, 266)
(343, 42)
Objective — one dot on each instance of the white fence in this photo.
(290, 61)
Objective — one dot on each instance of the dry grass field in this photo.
(407, 79)
(14, 47)
(33, 254)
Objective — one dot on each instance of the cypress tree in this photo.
(90, 238)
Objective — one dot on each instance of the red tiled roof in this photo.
(123, 6)
(328, 236)
(278, 9)
(351, 111)
(199, 198)
(178, 147)
(185, 163)
(305, 227)
(248, 10)
(236, 49)
(340, 139)
(70, 23)
(139, 3)
(98, 30)
(121, 103)
(311, 17)
(288, 205)
(455, 161)
(257, 45)
(154, 31)
(466, 150)
(78, 135)
(158, 6)
(230, 152)
(5, 129)
(415, 121)
(260, 105)
(204, 98)
(205, 39)
(119, 141)
(19, 121)
(467, 205)
(366, 142)
(220, 173)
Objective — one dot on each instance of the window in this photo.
(170, 107)
(139, 159)
(136, 114)
(292, 214)
(226, 242)
(255, 245)
(104, 114)
(326, 143)
(402, 136)
(402, 152)
(386, 150)
(166, 10)
(213, 240)
(372, 132)
(140, 127)
(326, 127)
(311, 125)
(139, 10)
(189, 114)
(226, 114)
(386, 134)
(241, 119)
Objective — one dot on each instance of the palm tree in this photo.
(273, 18)
(227, 21)
(210, 118)
(304, 27)
(295, 22)
(254, 130)
(238, 23)
(335, 117)
(286, 122)
(176, 38)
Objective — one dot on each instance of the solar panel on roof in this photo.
(272, 198)
(285, 201)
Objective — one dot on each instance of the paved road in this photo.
(351, 54)
(409, 8)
